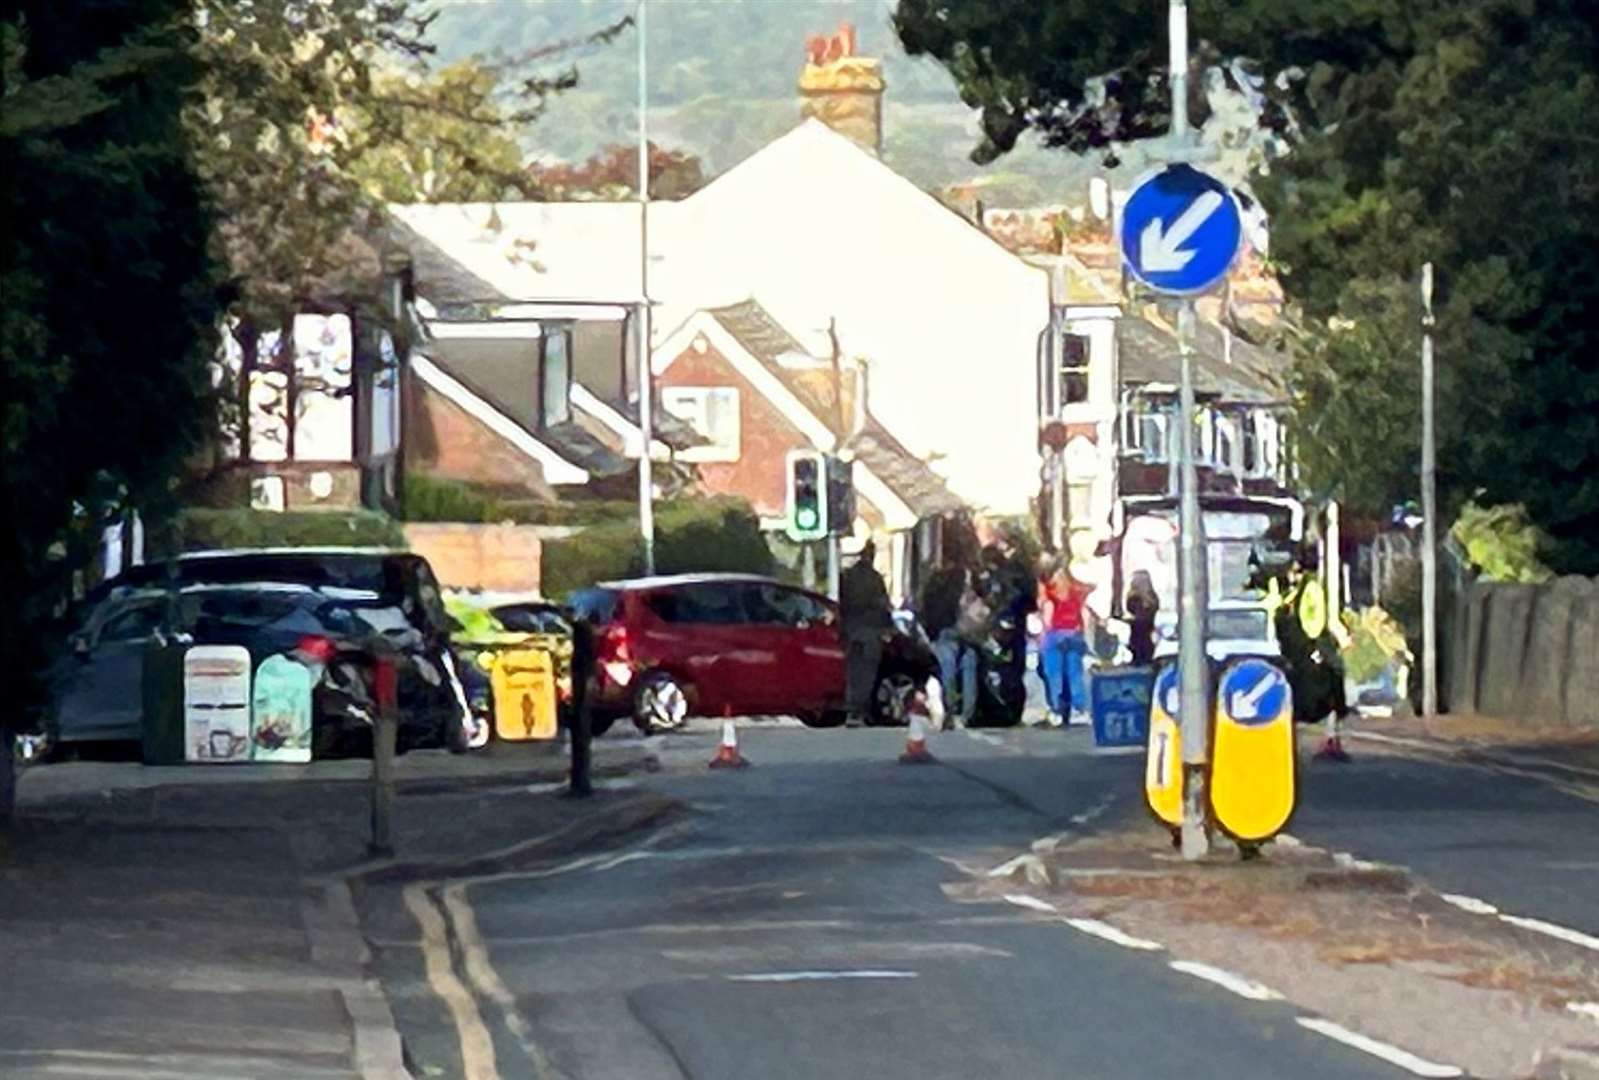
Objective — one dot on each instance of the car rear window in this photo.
(595, 606)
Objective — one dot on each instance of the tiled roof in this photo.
(907, 476)
(1148, 351)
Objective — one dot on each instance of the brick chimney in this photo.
(842, 90)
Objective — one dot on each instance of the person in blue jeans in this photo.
(946, 613)
(1064, 645)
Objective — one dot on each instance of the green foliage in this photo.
(691, 536)
(430, 498)
(107, 307)
(1458, 133)
(207, 530)
(1375, 640)
(1501, 543)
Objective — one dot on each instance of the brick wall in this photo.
(443, 439)
(765, 436)
(499, 558)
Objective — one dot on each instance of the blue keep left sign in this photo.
(1254, 692)
(1180, 230)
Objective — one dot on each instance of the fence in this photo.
(1524, 652)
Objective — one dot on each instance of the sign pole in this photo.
(646, 384)
(1191, 662)
(1429, 512)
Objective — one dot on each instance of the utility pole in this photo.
(1429, 511)
(1192, 664)
(646, 381)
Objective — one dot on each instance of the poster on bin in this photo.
(216, 704)
(280, 714)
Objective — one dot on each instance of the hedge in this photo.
(432, 498)
(691, 536)
(197, 529)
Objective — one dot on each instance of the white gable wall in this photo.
(814, 228)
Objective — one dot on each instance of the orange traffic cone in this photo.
(1332, 748)
(916, 752)
(727, 755)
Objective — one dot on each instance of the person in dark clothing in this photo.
(941, 609)
(1142, 605)
(867, 614)
(1012, 595)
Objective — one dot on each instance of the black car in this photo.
(326, 606)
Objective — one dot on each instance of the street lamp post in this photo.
(1429, 511)
(1192, 666)
(646, 384)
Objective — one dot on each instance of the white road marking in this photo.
(1572, 937)
(477, 1047)
(1349, 862)
(1469, 903)
(1590, 1009)
(1093, 812)
(1239, 985)
(1032, 903)
(814, 976)
(1118, 751)
(1114, 936)
(1391, 1054)
(1030, 863)
(485, 980)
(984, 737)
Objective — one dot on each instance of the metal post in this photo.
(646, 382)
(1193, 667)
(385, 693)
(832, 566)
(1429, 512)
(1334, 565)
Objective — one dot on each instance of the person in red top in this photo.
(1061, 650)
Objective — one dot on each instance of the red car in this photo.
(667, 648)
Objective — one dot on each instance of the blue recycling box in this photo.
(1119, 702)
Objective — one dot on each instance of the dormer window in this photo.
(555, 375)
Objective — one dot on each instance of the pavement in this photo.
(810, 915)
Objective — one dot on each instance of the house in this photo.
(753, 392)
(524, 374)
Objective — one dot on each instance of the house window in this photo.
(1073, 369)
(555, 393)
(713, 413)
(1251, 444)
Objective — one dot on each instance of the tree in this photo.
(1412, 129)
(107, 301)
(612, 174)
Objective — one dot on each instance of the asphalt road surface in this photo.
(796, 926)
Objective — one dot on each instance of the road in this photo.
(1492, 833)
(797, 925)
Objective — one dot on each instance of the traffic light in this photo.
(840, 496)
(807, 495)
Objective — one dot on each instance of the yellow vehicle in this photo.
(520, 659)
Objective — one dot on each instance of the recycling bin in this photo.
(161, 712)
(1119, 704)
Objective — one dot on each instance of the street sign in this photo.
(1253, 785)
(1163, 765)
(1180, 230)
(1253, 692)
(280, 711)
(1312, 608)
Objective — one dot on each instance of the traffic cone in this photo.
(916, 752)
(727, 755)
(1332, 748)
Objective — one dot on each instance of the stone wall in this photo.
(495, 558)
(1525, 652)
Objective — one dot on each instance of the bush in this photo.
(197, 529)
(433, 498)
(1502, 542)
(691, 536)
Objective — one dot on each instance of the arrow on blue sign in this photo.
(1180, 230)
(1254, 692)
(1167, 693)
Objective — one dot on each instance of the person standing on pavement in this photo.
(943, 600)
(1143, 603)
(1062, 603)
(867, 614)
(1011, 596)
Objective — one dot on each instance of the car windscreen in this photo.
(527, 619)
(217, 613)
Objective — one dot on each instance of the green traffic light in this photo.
(805, 518)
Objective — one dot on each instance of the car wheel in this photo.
(890, 697)
(659, 704)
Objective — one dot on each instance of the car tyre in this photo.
(890, 697)
(660, 704)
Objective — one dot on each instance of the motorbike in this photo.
(908, 662)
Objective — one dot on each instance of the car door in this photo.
(803, 669)
(101, 689)
(700, 639)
